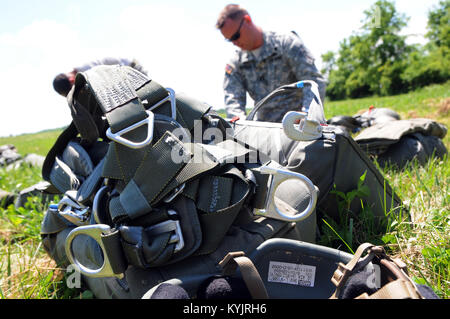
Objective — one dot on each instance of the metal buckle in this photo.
(73, 211)
(173, 105)
(95, 232)
(169, 225)
(175, 193)
(279, 176)
(305, 130)
(117, 137)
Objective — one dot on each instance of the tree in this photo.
(439, 25)
(431, 63)
(329, 60)
(371, 61)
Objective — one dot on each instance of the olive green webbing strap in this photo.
(219, 201)
(114, 88)
(157, 176)
(249, 273)
(115, 91)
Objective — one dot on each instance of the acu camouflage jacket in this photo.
(283, 59)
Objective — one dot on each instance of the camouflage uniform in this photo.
(283, 59)
(111, 61)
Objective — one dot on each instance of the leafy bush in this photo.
(378, 61)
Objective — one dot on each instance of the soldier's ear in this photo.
(247, 18)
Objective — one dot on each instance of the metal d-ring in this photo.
(173, 105)
(95, 232)
(279, 176)
(117, 137)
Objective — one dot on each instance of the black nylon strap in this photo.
(61, 143)
(145, 250)
(115, 253)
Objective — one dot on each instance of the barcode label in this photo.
(293, 274)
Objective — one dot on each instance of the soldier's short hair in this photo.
(61, 84)
(232, 11)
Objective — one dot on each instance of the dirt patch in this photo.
(412, 114)
(439, 107)
(444, 107)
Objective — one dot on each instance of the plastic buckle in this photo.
(297, 127)
(117, 137)
(279, 176)
(73, 211)
(95, 232)
(166, 226)
(340, 275)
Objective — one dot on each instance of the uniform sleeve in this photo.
(104, 61)
(302, 63)
(234, 92)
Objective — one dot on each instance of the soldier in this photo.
(266, 61)
(63, 82)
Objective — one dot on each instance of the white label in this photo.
(294, 274)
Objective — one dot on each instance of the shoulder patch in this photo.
(228, 69)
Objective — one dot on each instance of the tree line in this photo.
(378, 61)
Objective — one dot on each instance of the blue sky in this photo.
(176, 41)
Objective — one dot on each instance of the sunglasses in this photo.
(237, 34)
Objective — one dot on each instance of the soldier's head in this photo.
(63, 82)
(236, 26)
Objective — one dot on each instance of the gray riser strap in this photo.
(91, 184)
(67, 135)
(62, 177)
(158, 174)
(85, 113)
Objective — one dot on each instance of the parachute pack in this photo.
(392, 140)
(156, 186)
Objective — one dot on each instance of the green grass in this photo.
(420, 239)
(38, 143)
(431, 102)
